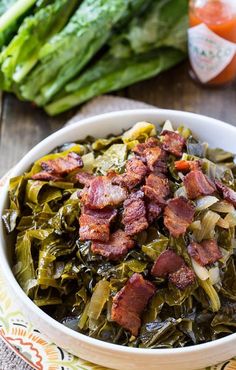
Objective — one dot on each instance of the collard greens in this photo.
(60, 273)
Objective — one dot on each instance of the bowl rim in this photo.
(9, 276)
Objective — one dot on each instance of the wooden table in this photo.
(23, 126)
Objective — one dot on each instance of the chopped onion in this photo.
(223, 223)
(181, 175)
(74, 195)
(223, 206)
(181, 192)
(214, 275)
(59, 268)
(195, 225)
(231, 218)
(205, 202)
(209, 222)
(225, 255)
(167, 126)
(200, 271)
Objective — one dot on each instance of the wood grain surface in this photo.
(23, 125)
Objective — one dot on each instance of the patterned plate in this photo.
(36, 349)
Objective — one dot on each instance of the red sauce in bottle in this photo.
(220, 17)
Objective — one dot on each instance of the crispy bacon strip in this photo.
(46, 176)
(171, 265)
(135, 173)
(55, 169)
(157, 188)
(63, 165)
(117, 247)
(173, 142)
(168, 262)
(197, 184)
(153, 211)
(205, 253)
(155, 158)
(130, 302)
(134, 214)
(151, 142)
(84, 178)
(228, 193)
(178, 215)
(153, 155)
(182, 278)
(102, 193)
(94, 224)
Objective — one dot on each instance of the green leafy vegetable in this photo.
(112, 159)
(20, 56)
(98, 299)
(5, 5)
(152, 43)
(10, 14)
(156, 247)
(59, 62)
(113, 74)
(61, 273)
(212, 294)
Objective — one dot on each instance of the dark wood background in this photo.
(22, 125)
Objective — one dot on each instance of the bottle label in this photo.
(209, 53)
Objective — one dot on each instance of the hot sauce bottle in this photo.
(212, 41)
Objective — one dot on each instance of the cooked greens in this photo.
(70, 277)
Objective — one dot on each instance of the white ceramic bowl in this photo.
(217, 134)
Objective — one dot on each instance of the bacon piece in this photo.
(182, 278)
(94, 224)
(153, 211)
(197, 184)
(173, 142)
(45, 176)
(178, 215)
(135, 173)
(134, 214)
(157, 188)
(228, 193)
(56, 169)
(63, 165)
(185, 166)
(168, 262)
(84, 178)
(155, 157)
(137, 167)
(102, 193)
(152, 153)
(130, 302)
(108, 214)
(114, 249)
(139, 149)
(93, 229)
(160, 168)
(205, 253)
(171, 265)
